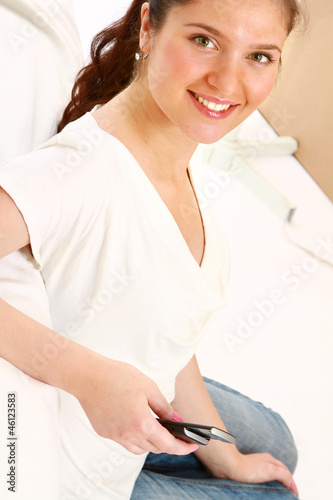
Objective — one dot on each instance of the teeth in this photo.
(211, 105)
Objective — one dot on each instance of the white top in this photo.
(120, 277)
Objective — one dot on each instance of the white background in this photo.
(94, 16)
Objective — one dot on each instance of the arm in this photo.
(13, 230)
(115, 396)
(222, 460)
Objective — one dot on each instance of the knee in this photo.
(294, 459)
(287, 450)
(291, 457)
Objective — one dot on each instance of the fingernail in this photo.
(292, 486)
(195, 449)
(177, 418)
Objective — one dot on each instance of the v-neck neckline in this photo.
(159, 198)
(189, 174)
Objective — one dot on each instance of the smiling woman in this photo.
(113, 49)
(134, 266)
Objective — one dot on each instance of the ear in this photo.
(145, 31)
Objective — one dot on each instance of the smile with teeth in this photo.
(212, 106)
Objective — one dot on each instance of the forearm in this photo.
(192, 399)
(223, 460)
(115, 396)
(194, 404)
(41, 353)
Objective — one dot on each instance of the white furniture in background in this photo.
(274, 340)
(234, 154)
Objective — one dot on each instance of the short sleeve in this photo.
(58, 187)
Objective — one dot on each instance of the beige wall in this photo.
(301, 104)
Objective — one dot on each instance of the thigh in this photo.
(152, 486)
(258, 429)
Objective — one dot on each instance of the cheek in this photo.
(174, 69)
(262, 87)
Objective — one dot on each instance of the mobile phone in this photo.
(196, 433)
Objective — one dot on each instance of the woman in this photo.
(133, 266)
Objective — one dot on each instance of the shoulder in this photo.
(80, 146)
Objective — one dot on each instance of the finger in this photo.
(161, 407)
(281, 464)
(281, 473)
(292, 485)
(134, 448)
(159, 404)
(162, 441)
(157, 446)
(173, 449)
(150, 436)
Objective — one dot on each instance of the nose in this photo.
(226, 76)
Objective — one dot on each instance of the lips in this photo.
(213, 106)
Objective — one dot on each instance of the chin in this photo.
(208, 137)
(208, 134)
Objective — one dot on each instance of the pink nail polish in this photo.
(177, 418)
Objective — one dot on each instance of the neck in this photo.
(159, 147)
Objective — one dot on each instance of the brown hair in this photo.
(112, 53)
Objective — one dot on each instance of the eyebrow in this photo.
(215, 32)
(206, 27)
(266, 46)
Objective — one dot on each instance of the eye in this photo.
(204, 41)
(261, 58)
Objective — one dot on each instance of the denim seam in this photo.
(151, 468)
(233, 486)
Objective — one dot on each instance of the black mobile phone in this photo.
(196, 433)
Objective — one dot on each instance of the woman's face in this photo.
(213, 63)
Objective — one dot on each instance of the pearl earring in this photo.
(141, 56)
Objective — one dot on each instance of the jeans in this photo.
(257, 429)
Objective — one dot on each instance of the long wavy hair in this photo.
(112, 53)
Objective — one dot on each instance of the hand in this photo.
(117, 399)
(256, 468)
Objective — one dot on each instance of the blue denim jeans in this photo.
(257, 428)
